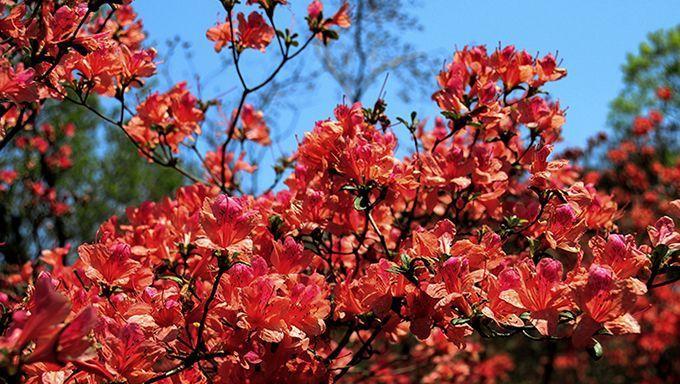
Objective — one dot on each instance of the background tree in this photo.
(377, 46)
(651, 72)
(638, 159)
(65, 177)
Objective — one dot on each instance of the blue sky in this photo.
(592, 38)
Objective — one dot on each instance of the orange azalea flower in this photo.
(227, 222)
(112, 265)
(56, 342)
(253, 126)
(498, 309)
(263, 310)
(166, 119)
(565, 225)
(605, 302)
(371, 292)
(17, 84)
(47, 309)
(664, 93)
(542, 293)
(253, 32)
(289, 256)
(620, 254)
(642, 126)
(69, 343)
(220, 34)
(322, 26)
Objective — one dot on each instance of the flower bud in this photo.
(599, 278)
(241, 274)
(509, 279)
(314, 9)
(19, 317)
(455, 265)
(291, 249)
(565, 215)
(616, 245)
(453, 271)
(150, 292)
(226, 209)
(550, 270)
(121, 251)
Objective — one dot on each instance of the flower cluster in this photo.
(364, 258)
(252, 33)
(52, 48)
(167, 118)
(476, 232)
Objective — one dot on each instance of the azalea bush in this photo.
(639, 166)
(357, 263)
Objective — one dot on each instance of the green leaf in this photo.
(450, 115)
(275, 223)
(360, 203)
(596, 351)
(460, 320)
